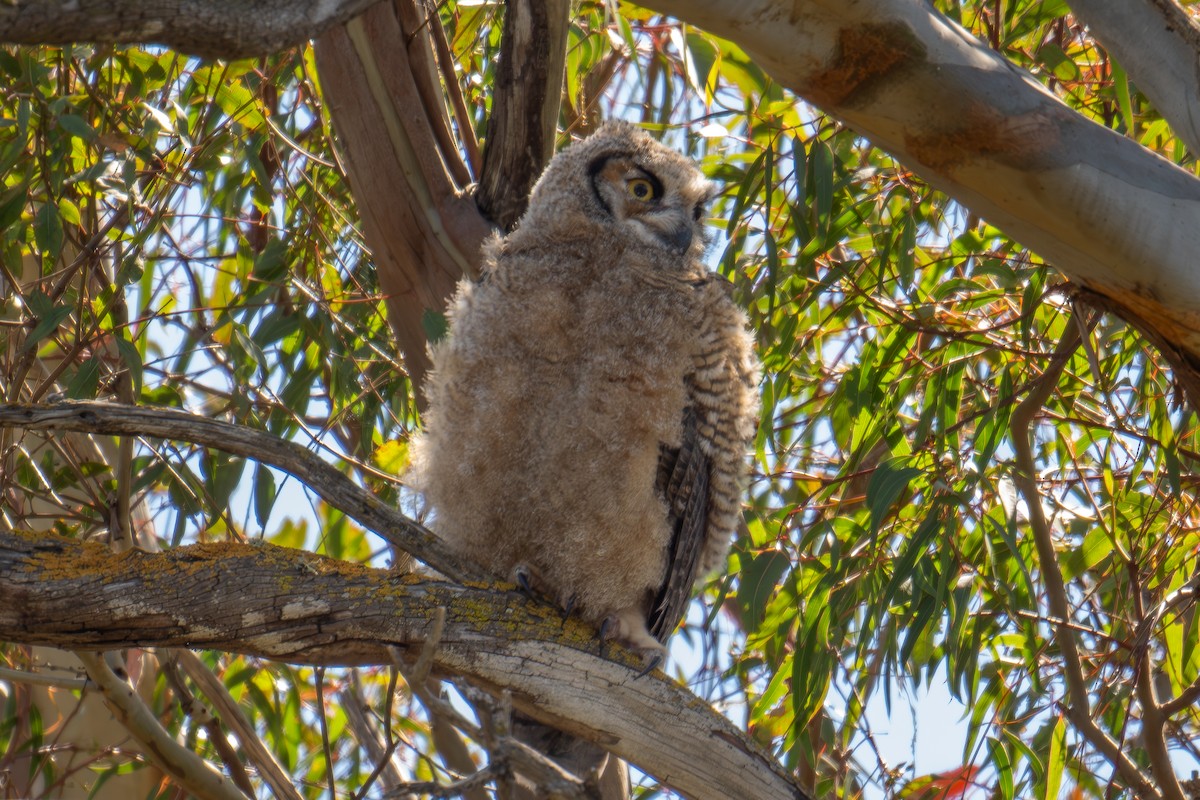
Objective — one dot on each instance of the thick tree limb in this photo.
(423, 229)
(221, 29)
(293, 606)
(525, 100)
(1158, 44)
(1112, 215)
(332, 486)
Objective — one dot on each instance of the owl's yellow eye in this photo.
(640, 189)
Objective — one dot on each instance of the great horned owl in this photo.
(590, 409)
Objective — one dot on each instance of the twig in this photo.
(43, 679)
(466, 130)
(231, 714)
(195, 774)
(326, 749)
(420, 670)
(453, 789)
(332, 486)
(1079, 708)
(203, 716)
(379, 752)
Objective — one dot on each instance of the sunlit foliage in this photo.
(180, 233)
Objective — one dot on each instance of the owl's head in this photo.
(625, 181)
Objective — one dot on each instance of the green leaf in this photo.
(435, 325)
(12, 203)
(757, 580)
(392, 456)
(886, 485)
(1056, 761)
(77, 126)
(48, 231)
(47, 322)
(133, 362)
(264, 494)
(85, 381)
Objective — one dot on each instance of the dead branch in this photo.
(288, 605)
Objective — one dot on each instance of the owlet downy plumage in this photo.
(591, 407)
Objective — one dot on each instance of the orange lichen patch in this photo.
(1021, 141)
(864, 57)
(59, 559)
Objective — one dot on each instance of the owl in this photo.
(590, 409)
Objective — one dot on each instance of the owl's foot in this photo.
(628, 627)
(532, 586)
(526, 579)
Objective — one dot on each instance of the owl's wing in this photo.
(682, 482)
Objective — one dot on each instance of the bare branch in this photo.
(192, 772)
(221, 29)
(332, 486)
(423, 230)
(1025, 477)
(293, 606)
(231, 714)
(42, 679)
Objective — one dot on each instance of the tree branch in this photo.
(230, 713)
(1112, 215)
(423, 229)
(1079, 706)
(192, 772)
(293, 606)
(1157, 43)
(527, 94)
(332, 486)
(220, 29)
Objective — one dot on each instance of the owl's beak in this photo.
(680, 238)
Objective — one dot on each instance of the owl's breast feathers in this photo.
(591, 407)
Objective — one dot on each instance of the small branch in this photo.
(386, 770)
(192, 772)
(221, 29)
(43, 679)
(445, 58)
(230, 713)
(454, 789)
(1186, 699)
(1079, 708)
(203, 716)
(332, 486)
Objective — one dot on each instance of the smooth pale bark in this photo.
(294, 606)
(1116, 218)
(1158, 45)
(216, 28)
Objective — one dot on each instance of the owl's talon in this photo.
(568, 608)
(524, 579)
(655, 660)
(607, 626)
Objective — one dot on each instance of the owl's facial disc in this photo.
(660, 215)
